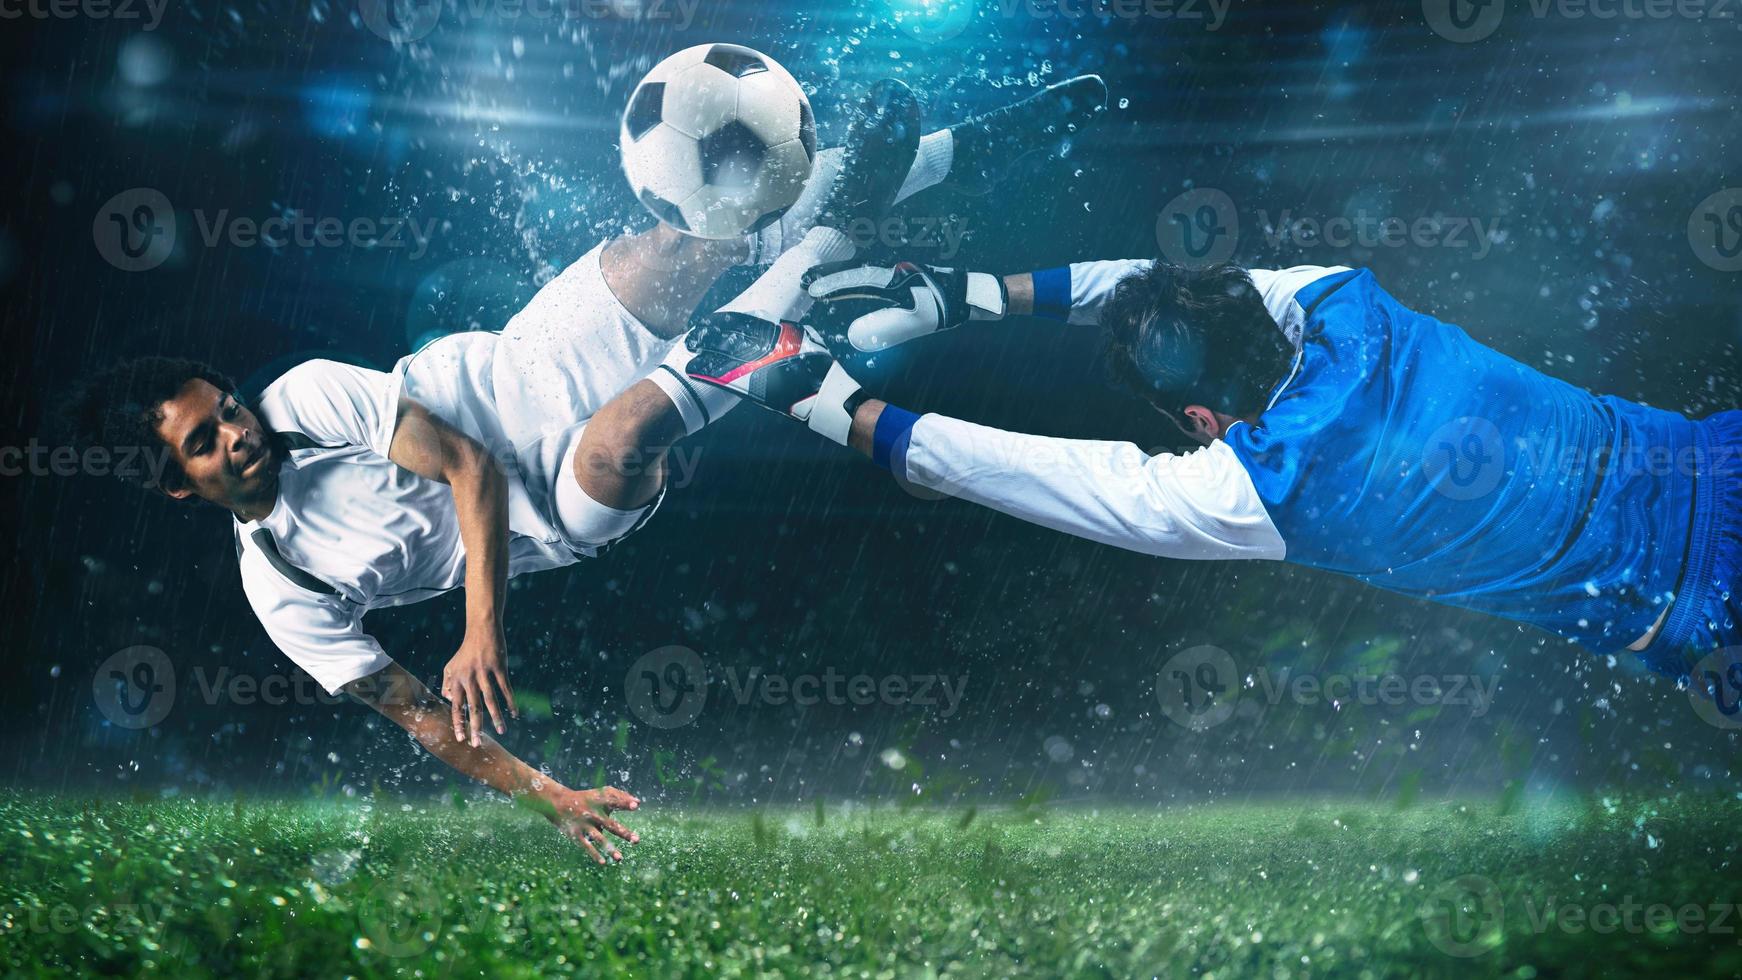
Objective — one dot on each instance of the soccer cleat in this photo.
(881, 142)
(989, 146)
(781, 366)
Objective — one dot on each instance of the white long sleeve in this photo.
(1201, 505)
(1092, 285)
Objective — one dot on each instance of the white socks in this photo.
(779, 293)
(586, 522)
(697, 403)
(931, 164)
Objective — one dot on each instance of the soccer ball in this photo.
(718, 140)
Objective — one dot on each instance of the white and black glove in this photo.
(875, 307)
(781, 366)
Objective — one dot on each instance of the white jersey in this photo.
(351, 531)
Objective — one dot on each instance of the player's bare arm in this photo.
(476, 679)
(583, 815)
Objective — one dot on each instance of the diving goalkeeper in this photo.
(1340, 430)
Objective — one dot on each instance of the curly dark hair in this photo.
(120, 406)
(1177, 336)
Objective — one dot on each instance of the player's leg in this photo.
(761, 351)
(602, 324)
(661, 274)
(990, 145)
(619, 462)
(615, 472)
(974, 155)
(565, 370)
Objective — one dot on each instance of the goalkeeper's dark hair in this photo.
(1177, 337)
(119, 408)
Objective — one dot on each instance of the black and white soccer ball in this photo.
(718, 140)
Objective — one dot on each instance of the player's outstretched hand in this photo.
(875, 307)
(471, 680)
(584, 815)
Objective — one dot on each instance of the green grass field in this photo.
(181, 889)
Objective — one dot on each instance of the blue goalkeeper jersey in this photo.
(1403, 453)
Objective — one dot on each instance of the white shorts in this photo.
(526, 393)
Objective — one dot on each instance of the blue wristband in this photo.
(893, 428)
(1052, 293)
